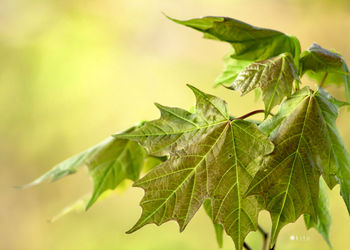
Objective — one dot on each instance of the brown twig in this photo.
(323, 79)
(249, 114)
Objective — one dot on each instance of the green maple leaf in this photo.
(69, 166)
(289, 177)
(176, 126)
(324, 219)
(316, 61)
(338, 157)
(81, 204)
(116, 161)
(219, 230)
(249, 43)
(275, 77)
(109, 163)
(215, 164)
(231, 69)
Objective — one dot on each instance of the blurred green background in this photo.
(74, 72)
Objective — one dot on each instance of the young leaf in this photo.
(214, 164)
(81, 204)
(219, 230)
(307, 145)
(318, 59)
(109, 163)
(274, 76)
(270, 126)
(324, 219)
(231, 70)
(249, 42)
(288, 179)
(176, 127)
(117, 160)
(338, 157)
(69, 166)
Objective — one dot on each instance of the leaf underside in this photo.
(118, 160)
(234, 168)
(219, 230)
(275, 77)
(109, 163)
(249, 43)
(217, 164)
(305, 142)
(324, 219)
(316, 61)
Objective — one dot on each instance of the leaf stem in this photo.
(249, 114)
(265, 235)
(246, 246)
(297, 85)
(323, 79)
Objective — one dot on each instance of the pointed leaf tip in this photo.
(274, 76)
(176, 189)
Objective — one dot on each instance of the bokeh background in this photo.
(74, 72)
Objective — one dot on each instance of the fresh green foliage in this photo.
(216, 164)
(323, 212)
(232, 166)
(109, 163)
(288, 179)
(275, 77)
(249, 43)
(118, 160)
(219, 230)
(317, 61)
(69, 166)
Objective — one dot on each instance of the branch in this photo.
(323, 79)
(249, 114)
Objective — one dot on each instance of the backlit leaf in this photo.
(324, 219)
(109, 163)
(249, 42)
(338, 157)
(216, 164)
(302, 132)
(288, 179)
(69, 166)
(219, 230)
(318, 59)
(274, 76)
(231, 70)
(118, 160)
(176, 126)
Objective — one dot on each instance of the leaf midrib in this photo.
(173, 132)
(292, 170)
(185, 179)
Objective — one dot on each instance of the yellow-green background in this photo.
(73, 72)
